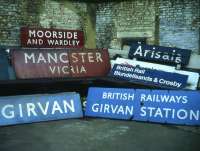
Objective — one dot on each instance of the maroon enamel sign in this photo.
(89, 63)
(50, 63)
(51, 38)
(41, 63)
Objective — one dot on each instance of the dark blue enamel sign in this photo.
(160, 54)
(149, 76)
(3, 65)
(36, 108)
(175, 107)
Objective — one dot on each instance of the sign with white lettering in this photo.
(193, 77)
(160, 54)
(89, 63)
(36, 108)
(51, 38)
(40, 63)
(144, 64)
(149, 76)
(110, 103)
(163, 106)
(176, 107)
(48, 63)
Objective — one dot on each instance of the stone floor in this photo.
(99, 135)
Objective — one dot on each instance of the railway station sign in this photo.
(193, 77)
(51, 63)
(161, 106)
(147, 76)
(110, 103)
(89, 63)
(173, 106)
(51, 38)
(36, 108)
(160, 54)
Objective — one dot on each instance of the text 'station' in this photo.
(162, 106)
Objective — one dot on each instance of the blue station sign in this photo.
(175, 107)
(160, 54)
(146, 76)
(36, 108)
(110, 103)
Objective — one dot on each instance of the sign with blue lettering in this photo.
(3, 65)
(160, 54)
(110, 103)
(36, 108)
(176, 107)
(149, 76)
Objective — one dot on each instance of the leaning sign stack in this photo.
(58, 53)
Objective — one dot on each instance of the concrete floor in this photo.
(98, 135)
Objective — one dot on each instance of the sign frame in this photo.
(167, 55)
(40, 107)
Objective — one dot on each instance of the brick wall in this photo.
(180, 23)
(13, 15)
(39, 13)
(105, 24)
(61, 15)
(126, 19)
(164, 22)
